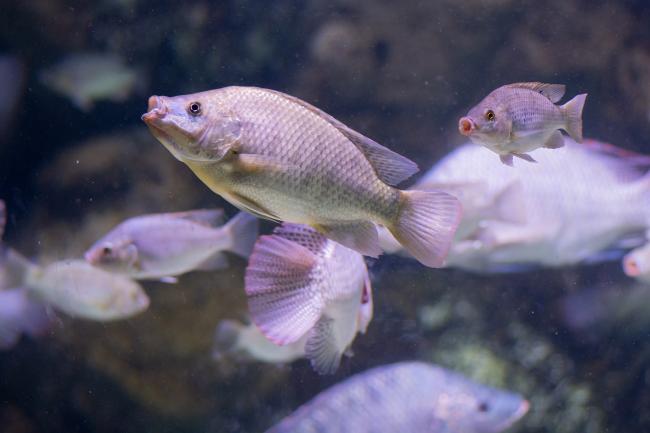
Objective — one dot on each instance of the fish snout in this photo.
(631, 267)
(466, 126)
(157, 109)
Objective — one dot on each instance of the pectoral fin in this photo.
(524, 156)
(252, 163)
(506, 159)
(251, 206)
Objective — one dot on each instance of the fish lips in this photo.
(466, 126)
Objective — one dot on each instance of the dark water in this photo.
(400, 73)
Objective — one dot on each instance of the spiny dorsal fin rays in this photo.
(553, 92)
(283, 300)
(303, 235)
(392, 168)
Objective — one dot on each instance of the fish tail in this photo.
(573, 116)
(243, 229)
(426, 225)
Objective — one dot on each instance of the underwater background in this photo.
(400, 72)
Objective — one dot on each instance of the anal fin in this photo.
(358, 235)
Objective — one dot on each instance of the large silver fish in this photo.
(517, 118)
(301, 284)
(543, 214)
(408, 397)
(282, 159)
(160, 246)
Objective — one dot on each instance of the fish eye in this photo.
(483, 407)
(194, 108)
(107, 251)
(489, 115)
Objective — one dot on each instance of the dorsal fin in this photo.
(391, 167)
(553, 92)
(206, 217)
(304, 235)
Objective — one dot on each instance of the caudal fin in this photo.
(243, 229)
(573, 116)
(283, 297)
(426, 225)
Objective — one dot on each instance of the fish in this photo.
(88, 77)
(77, 288)
(636, 263)
(163, 246)
(246, 342)
(407, 397)
(19, 314)
(300, 284)
(520, 117)
(542, 215)
(284, 160)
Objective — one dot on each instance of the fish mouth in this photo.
(156, 111)
(631, 268)
(519, 413)
(466, 126)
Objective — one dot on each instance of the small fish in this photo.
(518, 118)
(161, 246)
(407, 397)
(89, 77)
(282, 159)
(300, 283)
(77, 288)
(636, 263)
(515, 218)
(19, 314)
(246, 342)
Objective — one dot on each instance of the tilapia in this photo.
(544, 214)
(77, 288)
(160, 246)
(20, 314)
(518, 118)
(407, 397)
(89, 77)
(282, 159)
(636, 263)
(301, 284)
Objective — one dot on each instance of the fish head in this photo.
(636, 263)
(129, 301)
(199, 127)
(113, 253)
(489, 122)
(486, 410)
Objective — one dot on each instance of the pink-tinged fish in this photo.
(20, 314)
(543, 214)
(280, 158)
(408, 397)
(161, 246)
(302, 285)
(518, 118)
(636, 263)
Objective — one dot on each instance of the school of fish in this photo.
(333, 193)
